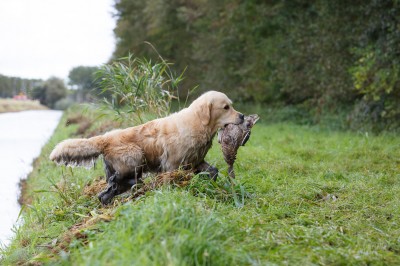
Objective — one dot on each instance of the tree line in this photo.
(11, 86)
(320, 57)
(53, 92)
(324, 56)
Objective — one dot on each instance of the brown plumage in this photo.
(232, 137)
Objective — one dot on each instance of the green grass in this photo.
(313, 196)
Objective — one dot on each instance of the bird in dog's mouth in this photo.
(232, 136)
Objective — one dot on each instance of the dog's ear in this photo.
(204, 112)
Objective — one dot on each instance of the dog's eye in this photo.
(226, 107)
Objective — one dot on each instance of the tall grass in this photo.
(135, 88)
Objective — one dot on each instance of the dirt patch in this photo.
(95, 187)
(83, 123)
(83, 127)
(75, 120)
(89, 223)
(80, 230)
(103, 128)
(23, 198)
(179, 178)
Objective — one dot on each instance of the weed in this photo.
(136, 88)
(225, 189)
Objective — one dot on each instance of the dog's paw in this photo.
(107, 195)
(213, 171)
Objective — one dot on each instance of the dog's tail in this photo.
(78, 152)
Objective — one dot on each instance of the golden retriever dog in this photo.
(181, 139)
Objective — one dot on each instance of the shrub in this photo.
(134, 88)
(63, 104)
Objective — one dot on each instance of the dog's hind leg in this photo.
(108, 169)
(118, 184)
(123, 170)
(206, 167)
(111, 191)
(130, 179)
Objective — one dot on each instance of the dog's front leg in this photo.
(206, 167)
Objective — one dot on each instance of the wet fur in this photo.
(179, 140)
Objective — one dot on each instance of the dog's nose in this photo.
(241, 116)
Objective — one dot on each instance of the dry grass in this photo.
(23, 198)
(10, 105)
(83, 122)
(87, 125)
(95, 187)
(178, 178)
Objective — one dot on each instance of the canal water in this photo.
(22, 135)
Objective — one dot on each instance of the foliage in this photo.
(317, 197)
(47, 92)
(50, 92)
(83, 79)
(376, 73)
(137, 86)
(11, 86)
(63, 103)
(292, 52)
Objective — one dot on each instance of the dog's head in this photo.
(215, 110)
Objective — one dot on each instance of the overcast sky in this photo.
(43, 38)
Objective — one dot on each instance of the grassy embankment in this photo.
(10, 105)
(316, 197)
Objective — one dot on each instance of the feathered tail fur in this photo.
(77, 152)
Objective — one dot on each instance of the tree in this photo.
(39, 93)
(50, 91)
(83, 79)
(319, 55)
(11, 86)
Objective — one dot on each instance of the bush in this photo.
(63, 104)
(136, 87)
(50, 92)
